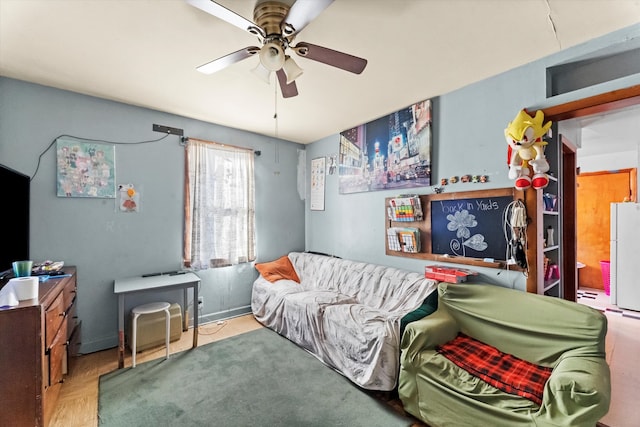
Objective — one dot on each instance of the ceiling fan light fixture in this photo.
(291, 69)
(272, 56)
(262, 73)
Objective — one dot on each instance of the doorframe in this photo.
(597, 104)
(569, 220)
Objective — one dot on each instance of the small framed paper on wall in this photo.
(317, 183)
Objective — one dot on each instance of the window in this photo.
(219, 205)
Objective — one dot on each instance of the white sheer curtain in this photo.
(219, 205)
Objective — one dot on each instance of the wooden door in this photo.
(595, 192)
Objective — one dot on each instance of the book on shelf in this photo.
(393, 241)
(403, 239)
(405, 209)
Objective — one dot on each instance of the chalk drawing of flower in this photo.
(461, 222)
(476, 242)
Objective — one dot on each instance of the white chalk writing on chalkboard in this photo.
(481, 205)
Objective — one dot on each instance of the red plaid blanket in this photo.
(501, 370)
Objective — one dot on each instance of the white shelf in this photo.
(550, 212)
(550, 248)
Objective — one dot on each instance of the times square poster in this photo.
(392, 152)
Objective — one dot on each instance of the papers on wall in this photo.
(317, 184)
(405, 209)
(404, 239)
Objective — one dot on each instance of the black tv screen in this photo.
(14, 238)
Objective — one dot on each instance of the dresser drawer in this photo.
(53, 318)
(73, 346)
(69, 293)
(57, 357)
(72, 319)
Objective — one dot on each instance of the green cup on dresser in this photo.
(22, 268)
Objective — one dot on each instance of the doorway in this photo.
(588, 106)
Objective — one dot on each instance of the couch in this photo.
(549, 332)
(346, 313)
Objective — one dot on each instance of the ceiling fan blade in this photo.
(331, 57)
(301, 14)
(225, 14)
(288, 90)
(225, 61)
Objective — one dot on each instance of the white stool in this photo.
(153, 307)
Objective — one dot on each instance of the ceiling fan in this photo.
(276, 25)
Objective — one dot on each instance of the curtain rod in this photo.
(186, 139)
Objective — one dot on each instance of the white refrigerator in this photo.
(625, 255)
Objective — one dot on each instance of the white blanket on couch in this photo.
(346, 313)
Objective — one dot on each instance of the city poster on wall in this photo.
(85, 169)
(392, 152)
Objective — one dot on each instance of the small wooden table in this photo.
(131, 285)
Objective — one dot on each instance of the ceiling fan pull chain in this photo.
(275, 118)
(275, 108)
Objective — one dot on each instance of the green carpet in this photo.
(255, 379)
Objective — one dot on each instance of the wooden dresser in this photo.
(38, 342)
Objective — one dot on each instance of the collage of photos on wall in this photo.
(392, 152)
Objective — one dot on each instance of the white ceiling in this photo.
(144, 52)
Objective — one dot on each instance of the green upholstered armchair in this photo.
(566, 336)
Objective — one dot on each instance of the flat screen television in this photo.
(14, 238)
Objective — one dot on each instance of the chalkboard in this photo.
(469, 227)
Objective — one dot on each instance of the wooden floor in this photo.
(78, 402)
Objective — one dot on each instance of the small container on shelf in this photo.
(550, 202)
(552, 272)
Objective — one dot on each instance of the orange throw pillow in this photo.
(277, 270)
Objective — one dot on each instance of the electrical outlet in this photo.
(200, 302)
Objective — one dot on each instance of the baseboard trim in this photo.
(223, 315)
(111, 341)
(98, 345)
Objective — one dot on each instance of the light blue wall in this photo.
(468, 138)
(105, 244)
